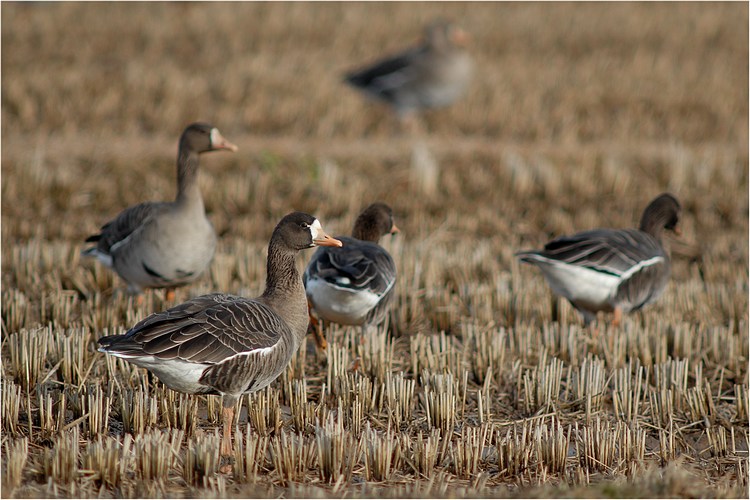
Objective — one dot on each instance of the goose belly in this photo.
(163, 258)
(176, 374)
(580, 285)
(340, 305)
(452, 84)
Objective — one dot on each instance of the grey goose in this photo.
(618, 270)
(165, 244)
(432, 74)
(225, 344)
(354, 284)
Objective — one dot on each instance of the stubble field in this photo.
(579, 114)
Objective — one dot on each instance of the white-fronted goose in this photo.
(228, 345)
(354, 284)
(432, 74)
(165, 244)
(611, 270)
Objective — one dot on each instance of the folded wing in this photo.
(208, 329)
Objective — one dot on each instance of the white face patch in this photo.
(215, 136)
(316, 230)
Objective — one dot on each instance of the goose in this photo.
(164, 244)
(354, 285)
(225, 344)
(619, 270)
(430, 75)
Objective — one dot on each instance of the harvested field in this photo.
(579, 114)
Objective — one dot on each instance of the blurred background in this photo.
(578, 115)
(674, 72)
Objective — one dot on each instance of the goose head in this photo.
(202, 137)
(662, 213)
(299, 230)
(374, 222)
(443, 35)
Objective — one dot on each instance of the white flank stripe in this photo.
(120, 243)
(260, 352)
(641, 265)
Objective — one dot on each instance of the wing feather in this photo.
(387, 75)
(126, 222)
(358, 265)
(207, 329)
(605, 250)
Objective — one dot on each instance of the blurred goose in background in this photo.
(229, 345)
(608, 269)
(165, 244)
(430, 75)
(354, 284)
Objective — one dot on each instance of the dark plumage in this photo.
(354, 285)
(611, 270)
(229, 345)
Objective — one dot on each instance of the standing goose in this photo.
(354, 285)
(430, 75)
(608, 269)
(229, 345)
(165, 244)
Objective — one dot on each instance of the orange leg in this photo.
(169, 296)
(317, 328)
(226, 440)
(320, 339)
(594, 331)
(618, 317)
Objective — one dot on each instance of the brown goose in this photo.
(354, 285)
(430, 75)
(611, 270)
(228, 345)
(165, 244)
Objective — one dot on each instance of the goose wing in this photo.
(121, 227)
(358, 266)
(615, 252)
(387, 76)
(208, 329)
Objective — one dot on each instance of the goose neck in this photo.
(284, 291)
(188, 190)
(653, 223)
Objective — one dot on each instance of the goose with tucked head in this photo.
(618, 270)
(165, 244)
(225, 344)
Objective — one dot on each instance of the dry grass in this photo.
(579, 115)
